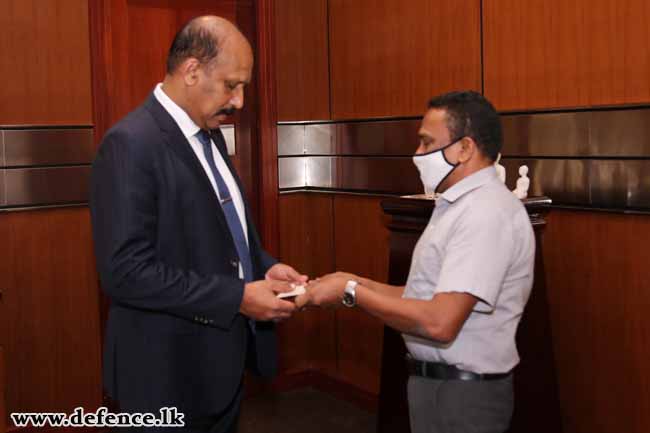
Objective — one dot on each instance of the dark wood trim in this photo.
(267, 126)
(98, 21)
(3, 411)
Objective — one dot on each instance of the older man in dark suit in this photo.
(194, 295)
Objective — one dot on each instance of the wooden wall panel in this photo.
(308, 340)
(150, 27)
(130, 40)
(389, 59)
(45, 63)
(361, 245)
(3, 410)
(555, 54)
(51, 308)
(597, 281)
(302, 71)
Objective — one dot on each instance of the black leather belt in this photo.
(435, 370)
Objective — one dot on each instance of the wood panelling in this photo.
(361, 245)
(389, 59)
(3, 410)
(130, 40)
(301, 64)
(554, 53)
(265, 92)
(598, 281)
(535, 380)
(45, 63)
(50, 309)
(308, 340)
(4, 280)
(320, 233)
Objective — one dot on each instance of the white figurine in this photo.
(523, 183)
(501, 170)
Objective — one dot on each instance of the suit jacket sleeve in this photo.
(124, 215)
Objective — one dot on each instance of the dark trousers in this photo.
(227, 421)
(459, 406)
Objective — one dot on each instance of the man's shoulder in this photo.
(139, 121)
(495, 197)
(490, 204)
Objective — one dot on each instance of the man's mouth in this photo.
(226, 112)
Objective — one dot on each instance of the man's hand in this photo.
(260, 301)
(282, 272)
(325, 291)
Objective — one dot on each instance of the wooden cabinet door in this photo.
(562, 54)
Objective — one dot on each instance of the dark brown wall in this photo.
(45, 63)
(383, 59)
(302, 59)
(308, 341)
(50, 309)
(552, 54)
(597, 282)
(361, 247)
(321, 233)
(3, 410)
(388, 59)
(130, 41)
(49, 321)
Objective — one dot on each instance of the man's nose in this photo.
(237, 100)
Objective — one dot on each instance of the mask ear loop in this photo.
(445, 158)
(453, 166)
(441, 149)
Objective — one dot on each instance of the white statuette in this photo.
(501, 170)
(523, 183)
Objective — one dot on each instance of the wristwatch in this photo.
(350, 294)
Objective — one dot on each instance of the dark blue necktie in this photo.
(228, 206)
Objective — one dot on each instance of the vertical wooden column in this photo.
(267, 118)
(3, 411)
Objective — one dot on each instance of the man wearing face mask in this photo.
(193, 293)
(470, 277)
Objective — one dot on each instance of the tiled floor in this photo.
(302, 411)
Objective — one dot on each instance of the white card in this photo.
(297, 291)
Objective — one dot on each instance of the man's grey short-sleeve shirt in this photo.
(480, 241)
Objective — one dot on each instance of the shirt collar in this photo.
(182, 119)
(471, 182)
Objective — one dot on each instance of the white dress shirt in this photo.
(189, 130)
(479, 241)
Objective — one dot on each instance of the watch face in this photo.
(348, 300)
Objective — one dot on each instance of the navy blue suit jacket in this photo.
(166, 259)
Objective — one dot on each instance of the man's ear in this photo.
(189, 70)
(467, 149)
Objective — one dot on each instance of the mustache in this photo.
(226, 111)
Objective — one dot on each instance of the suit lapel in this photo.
(175, 139)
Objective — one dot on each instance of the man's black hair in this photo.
(470, 114)
(193, 40)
